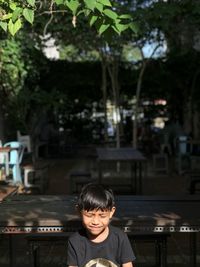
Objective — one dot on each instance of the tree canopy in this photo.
(173, 23)
(100, 13)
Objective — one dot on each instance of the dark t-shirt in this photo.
(113, 251)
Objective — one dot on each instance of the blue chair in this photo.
(16, 156)
(183, 152)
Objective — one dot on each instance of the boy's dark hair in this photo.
(95, 196)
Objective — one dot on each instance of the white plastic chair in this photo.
(1, 156)
(25, 140)
(16, 156)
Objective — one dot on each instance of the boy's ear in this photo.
(112, 211)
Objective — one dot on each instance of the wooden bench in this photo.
(7, 190)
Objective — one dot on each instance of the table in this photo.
(29, 213)
(129, 155)
(4, 151)
(46, 214)
(7, 190)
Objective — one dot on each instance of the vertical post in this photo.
(193, 249)
(100, 171)
(140, 177)
(11, 251)
(134, 177)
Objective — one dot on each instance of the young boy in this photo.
(98, 244)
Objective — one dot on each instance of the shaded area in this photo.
(54, 254)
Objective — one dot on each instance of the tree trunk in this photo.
(113, 72)
(104, 91)
(138, 90)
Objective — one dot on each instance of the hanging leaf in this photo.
(16, 14)
(105, 2)
(133, 27)
(14, 27)
(115, 29)
(11, 27)
(13, 6)
(73, 5)
(31, 2)
(121, 27)
(125, 16)
(93, 19)
(111, 14)
(4, 25)
(28, 14)
(17, 25)
(87, 12)
(103, 28)
(99, 6)
(90, 4)
(81, 12)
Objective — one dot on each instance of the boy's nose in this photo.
(95, 220)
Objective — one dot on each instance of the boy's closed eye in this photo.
(91, 214)
(88, 214)
(103, 215)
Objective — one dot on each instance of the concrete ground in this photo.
(154, 183)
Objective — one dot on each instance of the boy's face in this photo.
(96, 221)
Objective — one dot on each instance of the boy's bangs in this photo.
(95, 197)
(91, 203)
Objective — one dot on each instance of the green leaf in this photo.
(103, 28)
(28, 14)
(111, 14)
(73, 5)
(105, 2)
(13, 6)
(59, 2)
(81, 12)
(6, 16)
(125, 16)
(17, 25)
(86, 12)
(121, 27)
(4, 25)
(16, 14)
(133, 27)
(115, 29)
(90, 4)
(93, 19)
(99, 6)
(14, 27)
(31, 2)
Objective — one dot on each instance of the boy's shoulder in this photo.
(116, 230)
(77, 235)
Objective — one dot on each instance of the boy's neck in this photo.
(99, 238)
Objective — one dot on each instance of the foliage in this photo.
(20, 62)
(74, 54)
(12, 66)
(100, 13)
